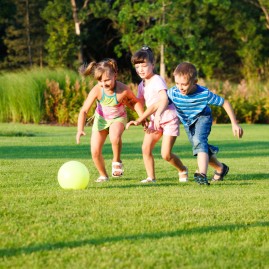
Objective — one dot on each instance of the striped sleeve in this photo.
(214, 99)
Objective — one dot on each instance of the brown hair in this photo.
(186, 69)
(143, 55)
(108, 65)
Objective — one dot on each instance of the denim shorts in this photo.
(198, 134)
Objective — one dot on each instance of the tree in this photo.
(62, 42)
(138, 22)
(7, 8)
(25, 35)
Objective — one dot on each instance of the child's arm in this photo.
(133, 102)
(150, 110)
(163, 103)
(237, 130)
(92, 96)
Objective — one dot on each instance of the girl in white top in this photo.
(152, 89)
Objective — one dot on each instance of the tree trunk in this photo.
(28, 34)
(162, 64)
(77, 29)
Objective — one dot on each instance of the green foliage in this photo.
(62, 43)
(121, 223)
(62, 105)
(24, 34)
(22, 93)
(20, 98)
(55, 96)
(249, 101)
(225, 39)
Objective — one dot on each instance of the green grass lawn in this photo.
(121, 223)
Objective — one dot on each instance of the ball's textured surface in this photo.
(73, 175)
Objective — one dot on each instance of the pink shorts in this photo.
(170, 128)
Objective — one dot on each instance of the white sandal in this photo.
(183, 179)
(101, 179)
(148, 180)
(117, 169)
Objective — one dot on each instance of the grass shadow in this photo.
(27, 250)
(130, 151)
(135, 185)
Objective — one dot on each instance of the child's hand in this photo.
(145, 124)
(157, 120)
(237, 130)
(132, 122)
(79, 134)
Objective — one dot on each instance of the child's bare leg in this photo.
(97, 141)
(150, 140)
(167, 145)
(218, 167)
(202, 160)
(115, 134)
(213, 162)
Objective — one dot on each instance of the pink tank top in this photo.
(109, 108)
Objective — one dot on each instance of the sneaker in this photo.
(101, 179)
(148, 180)
(201, 179)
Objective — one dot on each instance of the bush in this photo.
(56, 96)
(248, 99)
(62, 105)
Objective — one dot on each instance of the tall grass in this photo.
(55, 96)
(122, 223)
(22, 93)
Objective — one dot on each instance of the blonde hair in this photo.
(108, 65)
(186, 69)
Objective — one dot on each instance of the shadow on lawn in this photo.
(129, 151)
(137, 185)
(152, 236)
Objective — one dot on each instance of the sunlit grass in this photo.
(121, 223)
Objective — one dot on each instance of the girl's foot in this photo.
(117, 169)
(101, 179)
(183, 176)
(148, 180)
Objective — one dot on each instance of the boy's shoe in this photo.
(201, 179)
(101, 179)
(221, 175)
(148, 180)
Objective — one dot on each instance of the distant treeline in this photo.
(225, 39)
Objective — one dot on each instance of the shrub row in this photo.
(55, 97)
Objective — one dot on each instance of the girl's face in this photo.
(144, 70)
(185, 85)
(107, 81)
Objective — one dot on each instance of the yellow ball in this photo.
(73, 175)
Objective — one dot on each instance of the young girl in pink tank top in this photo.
(110, 115)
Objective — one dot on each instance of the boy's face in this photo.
(185, 85)
(144, 70)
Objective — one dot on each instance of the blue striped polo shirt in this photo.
(190, 106)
